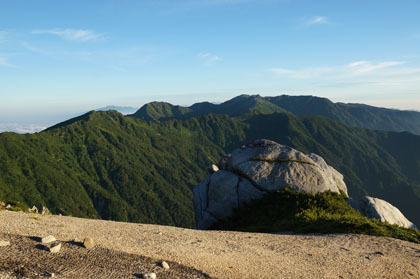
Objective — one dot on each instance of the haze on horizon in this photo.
(62, 58)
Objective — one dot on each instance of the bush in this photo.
(327, 212)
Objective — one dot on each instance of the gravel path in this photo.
(26, 257)
(220, 254)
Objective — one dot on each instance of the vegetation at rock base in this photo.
(16, 206)
(298, 212)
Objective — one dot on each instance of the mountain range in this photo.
(358, 115)
(142, 167)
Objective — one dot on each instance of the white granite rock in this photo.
(384, 211)
(149, 275)
(255, 169)
(48, 239)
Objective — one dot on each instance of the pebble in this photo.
(88, 243)
(149, 275)
(48, 239)
(54, 248)
(4, 243)
(165, 265)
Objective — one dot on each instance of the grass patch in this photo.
(327, 212)
(35, 218)
(17, 206)
(282, 161)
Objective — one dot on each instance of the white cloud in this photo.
(208, 59)
(364, 67)
(21, 128)
(354, 69)
(317, 20)
(71, 34)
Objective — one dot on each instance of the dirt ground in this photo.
(126, 250)
(26, 257)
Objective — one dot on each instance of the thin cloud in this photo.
(82, 35)
(208, 59)
(354, 69)
(365, 67)
(317, 20)
(5, 63)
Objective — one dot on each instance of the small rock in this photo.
(34, 209)
(165, 265)
(54, 247)
(149, 275)
(88, 243)
(212, 169)
(44, 210)
(4, 243)
(8, 205)
(48, 239)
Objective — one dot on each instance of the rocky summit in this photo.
(255, 169)
(264, 166)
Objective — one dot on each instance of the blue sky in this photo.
(60, 58)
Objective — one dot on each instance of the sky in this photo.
(62, 58)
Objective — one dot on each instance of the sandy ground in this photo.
(218, 254)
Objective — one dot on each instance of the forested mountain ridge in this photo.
(357, 115)
(106, 165)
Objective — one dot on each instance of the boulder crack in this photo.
(245, 176)
(282, 161)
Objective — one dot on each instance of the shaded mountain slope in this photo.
(357, 115)
(237, 106)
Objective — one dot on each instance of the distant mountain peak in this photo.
(359, 115)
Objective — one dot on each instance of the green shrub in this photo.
(17, 206)
(327, 212)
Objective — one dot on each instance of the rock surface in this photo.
(44, 210)
(165, 265)
(255, 169)
(4, 243)
(88, 243)
(48, 239)
(384, 211)
(212, 169)
(34, 209)
(149, 275)
(54, 247)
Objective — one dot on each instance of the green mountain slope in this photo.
(356, 115)
(107, 165)
(103, 164)
(237, 106)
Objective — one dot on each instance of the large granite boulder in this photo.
(380, 209)
(255, 169)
